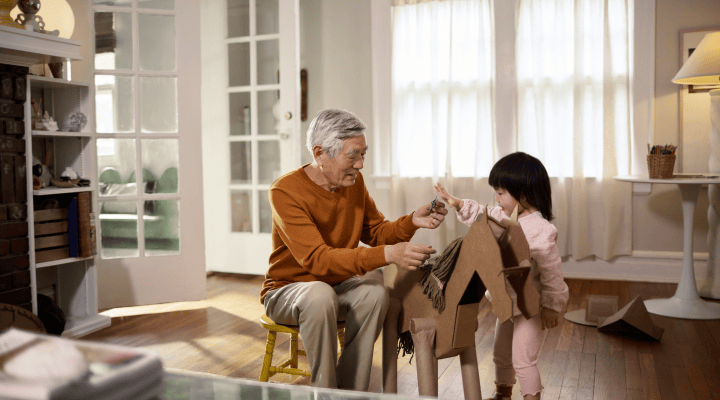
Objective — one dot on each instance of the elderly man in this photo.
(321, 212)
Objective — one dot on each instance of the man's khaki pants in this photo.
(316, 307)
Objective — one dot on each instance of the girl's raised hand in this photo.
(452, 201)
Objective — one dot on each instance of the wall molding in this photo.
(641, 266)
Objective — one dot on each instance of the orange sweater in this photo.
(315, 233)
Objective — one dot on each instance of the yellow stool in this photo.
(289, 366)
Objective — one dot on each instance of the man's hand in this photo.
(452, 201)
(407, 255)
(431, 218)
(549, 318)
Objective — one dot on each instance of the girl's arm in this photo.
(469, 212)
(467, 209)
(554, 291)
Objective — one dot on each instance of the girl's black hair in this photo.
(523, 175)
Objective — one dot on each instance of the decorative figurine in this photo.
(76, 122)
(69, 174)
(48, 123)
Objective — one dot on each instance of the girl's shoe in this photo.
(501, 393)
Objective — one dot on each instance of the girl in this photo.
(521, 180)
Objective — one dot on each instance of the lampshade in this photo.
(57, 14)
(703, 66)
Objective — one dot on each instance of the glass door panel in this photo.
(240, 114)
(158, 105)
(239, 64)
(116, 167)
(113, 40)
(265, 212)
(156, 42)
(268, 62)
(114, 104)
(241, 162)
(268, 161)
(268, 112)
(160, 163)
(241, 211)
(238, 18)
(118, 229)
(267, 16)
(162, 227)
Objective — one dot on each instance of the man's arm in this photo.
(379, 231)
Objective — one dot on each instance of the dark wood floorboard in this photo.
(221, 335)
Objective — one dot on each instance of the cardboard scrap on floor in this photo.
(633, 320)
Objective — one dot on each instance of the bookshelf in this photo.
(71, 281)
(58, 267)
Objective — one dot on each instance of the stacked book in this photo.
(43, 367)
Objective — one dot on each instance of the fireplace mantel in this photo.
(26, 48)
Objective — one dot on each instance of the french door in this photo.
(251, 126)
(146, 70)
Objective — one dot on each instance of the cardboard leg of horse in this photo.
(390, 347)
(423, 335)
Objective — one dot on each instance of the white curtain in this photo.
(573, 81)
(442, 120)
(573, 104)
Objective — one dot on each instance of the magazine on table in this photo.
(43, 367)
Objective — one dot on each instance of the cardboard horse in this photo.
(493, 255)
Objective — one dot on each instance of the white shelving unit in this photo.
(74, 279)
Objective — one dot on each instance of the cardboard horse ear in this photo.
(632, 320)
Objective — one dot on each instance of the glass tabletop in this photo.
(188, 385)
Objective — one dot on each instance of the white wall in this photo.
(335, 49)
(657, 217)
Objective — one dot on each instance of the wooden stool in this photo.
(289, 366)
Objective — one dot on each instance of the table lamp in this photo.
(703, 68)
(57, 15)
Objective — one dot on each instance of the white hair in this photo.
(330, 128)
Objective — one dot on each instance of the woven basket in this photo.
(660, 166)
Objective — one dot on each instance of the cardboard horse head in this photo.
(489, 253)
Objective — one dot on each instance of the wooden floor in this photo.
(221, 335)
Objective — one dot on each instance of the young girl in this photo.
(520, 179)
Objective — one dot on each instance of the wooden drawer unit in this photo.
(51, 235)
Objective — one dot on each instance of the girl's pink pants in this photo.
(517, 344)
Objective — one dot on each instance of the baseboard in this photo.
(641, 266)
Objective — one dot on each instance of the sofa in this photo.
(118, 219)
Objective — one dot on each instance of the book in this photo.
(93, 234)
(37, 366)
(72, 219)
(84, 232)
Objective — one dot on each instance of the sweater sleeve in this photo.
(378, 231)
(554, 291)
(306, 244)
(471, 209)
